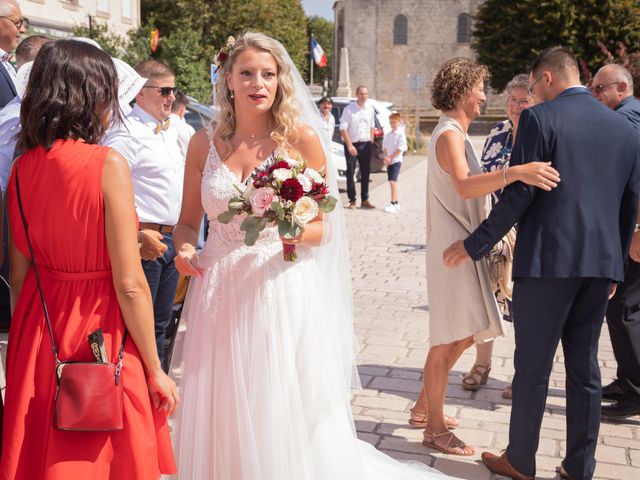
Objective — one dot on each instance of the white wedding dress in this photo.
(260, 376)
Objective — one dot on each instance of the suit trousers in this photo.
(623, 321)
(545, 312)
(363, 157)
(162, 277)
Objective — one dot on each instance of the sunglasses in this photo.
(164, 91)
(18, 23)
(599, 88)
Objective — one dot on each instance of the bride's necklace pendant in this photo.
(253, 136)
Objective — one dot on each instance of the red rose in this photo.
(260, 179)
(280, 164)
(318, 191)
(291, 189)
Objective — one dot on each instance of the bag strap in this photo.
(35, 270)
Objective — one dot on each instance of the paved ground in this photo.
(392, 314)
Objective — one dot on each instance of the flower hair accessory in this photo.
(223, 54)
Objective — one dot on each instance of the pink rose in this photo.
(261, 200)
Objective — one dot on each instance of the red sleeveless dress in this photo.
(61, 192)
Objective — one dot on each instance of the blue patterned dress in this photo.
(495, 156)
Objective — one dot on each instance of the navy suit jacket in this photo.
(582, 228)
(7, 88)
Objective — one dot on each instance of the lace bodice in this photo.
(218, 185)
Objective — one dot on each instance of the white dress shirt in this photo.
(395, 141)
(157, 166)
(185, 132)
(9, 131)
(8, 67)
(358, 122)
(329, 125)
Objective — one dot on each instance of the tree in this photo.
(323, 30)
(508, 36)
(111, 43)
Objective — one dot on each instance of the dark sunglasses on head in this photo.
(164, 91)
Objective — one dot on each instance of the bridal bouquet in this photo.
(282, 192)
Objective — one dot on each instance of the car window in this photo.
(194, 119)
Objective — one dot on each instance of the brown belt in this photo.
(156, 227)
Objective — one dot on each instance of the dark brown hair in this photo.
(455, 80)
(72, 86)
(557, 59)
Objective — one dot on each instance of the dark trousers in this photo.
(162, 276)
(363, 157)
(623, 320)
(545, 312)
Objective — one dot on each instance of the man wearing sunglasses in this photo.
(613, 86)
(11, 27)
(157, 170)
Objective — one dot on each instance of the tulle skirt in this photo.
(263, 392)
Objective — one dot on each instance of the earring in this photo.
(231, 93)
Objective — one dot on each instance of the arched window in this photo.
(400, 30)
(464, 28)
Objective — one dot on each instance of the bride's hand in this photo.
(186, 261)
(294, 240)
(537, 174)
(163, 392)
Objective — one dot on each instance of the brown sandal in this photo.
(453, 445)
(419, 420)
(477, 377)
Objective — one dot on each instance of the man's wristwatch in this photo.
(636, 229)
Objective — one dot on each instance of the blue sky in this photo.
(320, 8)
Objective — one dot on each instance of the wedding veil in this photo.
(332, 256)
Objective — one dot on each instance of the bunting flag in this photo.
(318, 54)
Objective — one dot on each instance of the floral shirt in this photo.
(497, 150)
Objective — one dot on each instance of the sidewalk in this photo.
(391, 317)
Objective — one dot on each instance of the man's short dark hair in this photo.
(28, 48)
(324, 100)
(153, 69)
(556, 59)
(180, 101)
(360, 87)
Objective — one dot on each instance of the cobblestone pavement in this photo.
(391, 317)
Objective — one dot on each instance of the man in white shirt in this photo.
(157, 170)
(185, 131)
(356, 126)
(11, 27)
(328, 121)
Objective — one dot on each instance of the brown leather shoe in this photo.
(352, 206)
(367, 204)
(501, 466)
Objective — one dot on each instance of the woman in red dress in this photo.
(78, 203)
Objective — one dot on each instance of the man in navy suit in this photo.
(571, 246)
(11, 27)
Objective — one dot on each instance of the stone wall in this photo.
(367, 28)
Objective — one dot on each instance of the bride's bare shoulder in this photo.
(309, 147)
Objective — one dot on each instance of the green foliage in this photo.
(111, 43)
(192, 32)
(508, 36)
(323, 30)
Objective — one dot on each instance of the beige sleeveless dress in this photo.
(461, 300)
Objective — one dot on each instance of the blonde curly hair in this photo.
(455, 80)
(284, 112)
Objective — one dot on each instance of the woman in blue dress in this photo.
(495, 156)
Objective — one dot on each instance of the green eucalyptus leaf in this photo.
(226, 217)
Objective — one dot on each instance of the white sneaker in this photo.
(391, 208)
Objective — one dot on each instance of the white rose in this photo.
(305, 182)
(281, 174)
(292, 163)
(305, 210)
(313, 175)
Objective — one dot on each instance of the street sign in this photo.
(214, 74)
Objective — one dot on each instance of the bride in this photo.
(268, 357)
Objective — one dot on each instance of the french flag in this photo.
(318, 54)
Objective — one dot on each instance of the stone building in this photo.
(58, 17)
(395, 47)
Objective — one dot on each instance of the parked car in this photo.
(382, 109)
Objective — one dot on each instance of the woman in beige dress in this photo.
(462, 305)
